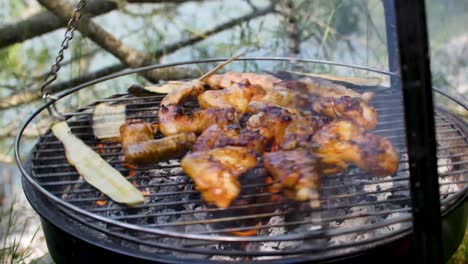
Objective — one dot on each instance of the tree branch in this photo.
(99, 35)
(32, 95)
(32, 131)
(45, 22)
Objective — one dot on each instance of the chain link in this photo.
(71, 27)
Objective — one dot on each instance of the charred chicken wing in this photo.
(173, 120)
(216, 137)
(325, 88)
(238, 96)
(343, 107)
(215, 172)
(296, 172)
(342, 142)
(270, 122)
(226, 80)
(300, 131)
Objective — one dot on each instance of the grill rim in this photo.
(81, 211)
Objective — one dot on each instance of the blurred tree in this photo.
(117, 34)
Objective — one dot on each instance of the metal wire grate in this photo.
(356, 208)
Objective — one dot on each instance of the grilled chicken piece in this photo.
(215, 172)
(216, 137)
(343, 107)
(226, 80)
(300, 131)
(296, 173)
(287, 130)
(185, 91)
(348, 108)
(312, 85)
(270, 122)
(325, 88)
(237, 96)
(173, 120)
(155, 150)
(342, 142)
(140, 147)
(136, 131)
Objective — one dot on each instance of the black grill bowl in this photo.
(70, 242)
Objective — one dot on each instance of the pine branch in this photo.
(31, 95)
(46, 21)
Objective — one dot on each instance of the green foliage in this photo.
(461, 255)
(10, 251)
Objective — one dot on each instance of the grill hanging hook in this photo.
(52, 75)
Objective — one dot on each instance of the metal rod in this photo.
(419, 119)
(392, 43)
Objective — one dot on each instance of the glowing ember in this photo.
(100, 148)
(101, 202)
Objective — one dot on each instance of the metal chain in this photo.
(71, 27)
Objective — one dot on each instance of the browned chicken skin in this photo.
(135, 131)
(343, 107)
(334, 101)
(312, 85)
(237, 96)
(173, 120)
(296, 172)
(182, 93)
(342, 142)
(216, 137)
(155, 150)
(325, 88)
(215, 172)
(270, 122)
(226, 80)
(287, 130)
(140, 147)
(348, 108)
(300, 131)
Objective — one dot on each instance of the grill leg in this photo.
(420, 129)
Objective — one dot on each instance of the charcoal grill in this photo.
(358, 212)
(360, 217)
